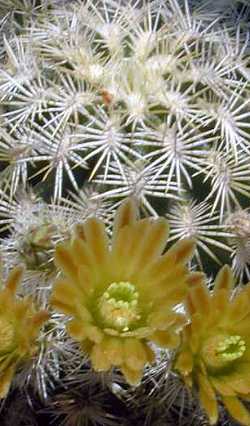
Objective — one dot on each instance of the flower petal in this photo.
(197, 327)
(135, 355)
(165, 318)
(182, 251)
(195, 278)
(65, 261)
(220, 302)
(208, 399)
(5, 380)
(222, 386)
(132, 376)
(151, 241)
(14, 279)
(65, 308)
(93, 333)
(81, 253)
(126, 215)
(140, 332)
(165, 339)
(113, 349)
(240, 307)
(99, 360)
(198, 300)
(184, 362)
(224, 280)
(157, 288)
(97, 240)
(64, 291)
(36, 322)
(127, 246)
(82, 330)
(237, 409)
(168, 297)
(178, 255)
(85, 280)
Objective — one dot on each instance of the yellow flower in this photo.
(214, 356)
(120, 294)
(19, 326)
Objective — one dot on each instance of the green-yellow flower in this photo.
(214, 356)
(120, 294)
(19, 326)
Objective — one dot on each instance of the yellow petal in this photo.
(85, 280)
(173, 287)
(221, 302)
(70, 306)
(239, 308)
(165, 339)
(176, 256)
(22, 309)
(224, 280)
(65, 308)
(125, 215)
(182, 251)
(169, 300)
(241, 384)
(198, 300)
(237, 409)
(81, 253)
(140, 332)
(164, 318)
(77, 329)
(99, 359)
(36, 322)
(97, 240)
(184, 361)
(64, 291)
(65, 261)
(14, 279)
(195, 278)
(132, 376)
(151, 241)
(113, 349)
(5, 380)
(241, 328)
(197, 327)
(150, 354)
(134, 354)
(93, 333)
(208, 399)
(127, 246)
(78, 231)
(223, 387)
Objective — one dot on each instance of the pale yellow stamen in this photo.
(220, 350)
(118, 306)
(231, 348)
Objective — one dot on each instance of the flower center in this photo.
(221, 350)
(118, 306)
(231, 348)
(7, 334)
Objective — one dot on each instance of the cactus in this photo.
(103, 100)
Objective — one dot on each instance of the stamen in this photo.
(231, 348)
(220, 350)
(118, 306)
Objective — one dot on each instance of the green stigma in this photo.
(231, 348)
(118, 305)
(220, 350)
